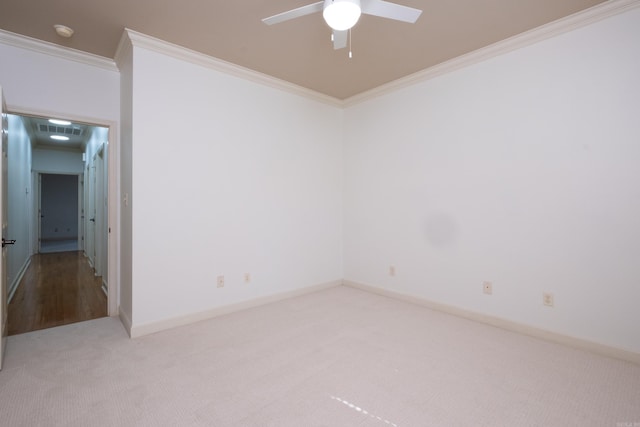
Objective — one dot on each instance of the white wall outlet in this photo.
(247, 278)
(547, 299)
(392, 270)
(221, 281)
(487, 288)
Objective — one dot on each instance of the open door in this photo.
(90, 213)
(4, 329)
(100, 229)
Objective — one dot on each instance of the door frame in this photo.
(113, 199)
(99, 225)
(4, 291)
(90, 213)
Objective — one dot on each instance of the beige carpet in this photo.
(340, 357)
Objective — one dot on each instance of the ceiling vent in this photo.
(64, 130)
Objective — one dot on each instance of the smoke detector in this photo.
(63, 31)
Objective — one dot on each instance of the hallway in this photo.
(57, 289)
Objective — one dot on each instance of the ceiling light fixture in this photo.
(59, 122)
(63, 31)
(341, 14)
(60, 137)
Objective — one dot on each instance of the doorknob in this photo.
(92, 220)
(6, 242)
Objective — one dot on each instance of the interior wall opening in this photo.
(58, 186)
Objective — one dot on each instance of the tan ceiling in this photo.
(298, 51)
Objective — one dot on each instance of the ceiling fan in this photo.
(341, 15)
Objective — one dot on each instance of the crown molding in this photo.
(182, 53)
(544, 32)
(133, 38)
(51, 49)
(124, 48)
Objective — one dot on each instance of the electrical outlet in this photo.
(392, 270)
(221, 281)
(247, 278)
(487, 288)
(547, 299)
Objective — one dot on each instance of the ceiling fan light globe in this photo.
(341, 14)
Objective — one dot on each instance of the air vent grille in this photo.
(64, 130)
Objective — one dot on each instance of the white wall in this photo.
(35, 82)
(57, 161)
(228, 177)
(125, 64)
(19, 198)
(99, 138)
(522, 170)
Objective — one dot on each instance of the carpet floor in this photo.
(339, 357)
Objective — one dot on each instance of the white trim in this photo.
(153, 327)
(552, 29)
(28, 111)
(14, 286)
(184, 54)
(113, 216)
(508, 325)
(40, 46)
(126, 322)
(52, 172)
(123, 49)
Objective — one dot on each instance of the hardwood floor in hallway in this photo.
(57, 289)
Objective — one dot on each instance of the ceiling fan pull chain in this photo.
(350, 53)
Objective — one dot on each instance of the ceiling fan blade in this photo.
(294, 13)
(340, 39)
(385, 9)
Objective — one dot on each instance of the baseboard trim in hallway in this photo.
(18, 279)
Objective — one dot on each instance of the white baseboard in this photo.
(508, 325)
(126, 322)
(14, 285)
(153, 327)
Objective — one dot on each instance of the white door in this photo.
(40, 214)
(90, 213)
(99, 237)
(80, 212)
(3, 221)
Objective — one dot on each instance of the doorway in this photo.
(58, 212)
(64, 277)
